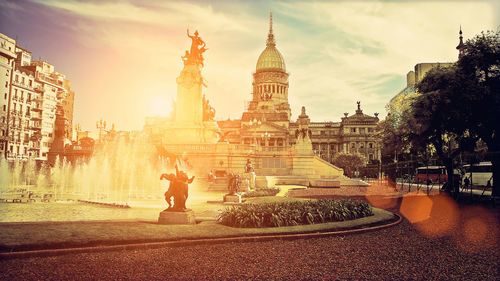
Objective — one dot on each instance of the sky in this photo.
(123, 57)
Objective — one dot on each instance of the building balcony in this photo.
(19, 84)
(39, 109)
(39, 89)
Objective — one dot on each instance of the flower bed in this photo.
(277, 214)
(261, 192)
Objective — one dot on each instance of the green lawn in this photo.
(29, 236)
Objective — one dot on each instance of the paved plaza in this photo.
(456, 242)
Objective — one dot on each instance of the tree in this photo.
(480, 70)
(348, 162)
(460, 105)
(440, 120)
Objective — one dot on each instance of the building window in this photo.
(370, 130)
(370, 157)
(370, 145)
(4, 108)
(353, 145)
(353, 130)
(361, 130)
(361, 145)
(280, 142)
(17, 78)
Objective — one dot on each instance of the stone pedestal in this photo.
(232, 198)
(169, 217)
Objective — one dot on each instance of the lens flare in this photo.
(381, 194)
(416, 207)
(443, 217)
(479, 230)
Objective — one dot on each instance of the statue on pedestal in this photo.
(249, 170)
(249, 166)
(233, 183)
(208, 110)
(178, 189)
(195, 55)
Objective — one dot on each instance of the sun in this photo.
(160, 105)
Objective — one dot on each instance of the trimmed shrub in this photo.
(294, 213)
(262, 192)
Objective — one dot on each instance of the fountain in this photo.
(120, 172)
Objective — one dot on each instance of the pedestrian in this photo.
(466, 183)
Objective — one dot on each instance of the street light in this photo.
(254, 124)
(101, 125)
(265, 136)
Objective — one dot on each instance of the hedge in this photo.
(278, 214)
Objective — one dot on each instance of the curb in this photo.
(180, 243)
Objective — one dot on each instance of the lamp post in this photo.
(254, 124)
(265, 136)
(101, 125)
(78, 129)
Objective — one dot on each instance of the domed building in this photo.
(281, 150)
(266, 121)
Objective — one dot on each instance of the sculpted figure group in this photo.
(195, 55)
(303, 133)
(208, 110)
(178, 189)
(234, 183)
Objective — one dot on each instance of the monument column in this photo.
(189, 107)
(194, 121)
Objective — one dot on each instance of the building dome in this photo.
(270, 58)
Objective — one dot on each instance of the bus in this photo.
(480, 173)
(433, 174)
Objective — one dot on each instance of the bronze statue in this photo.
(208, 110)
(197, 49)
(233, 184)
(223, 136)
(178, 189)
(249, 166)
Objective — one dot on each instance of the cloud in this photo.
(363, 46)
(336, 52)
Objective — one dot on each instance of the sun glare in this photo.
(160, 105)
